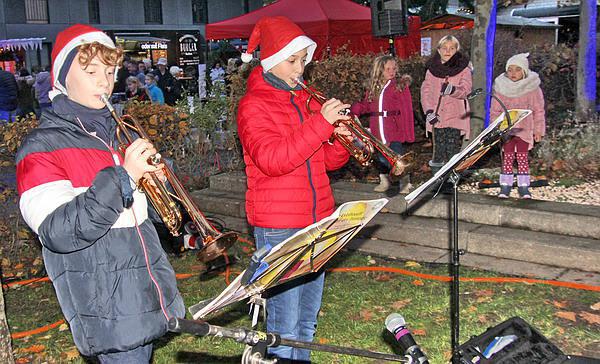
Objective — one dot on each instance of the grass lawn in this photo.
(355, 305)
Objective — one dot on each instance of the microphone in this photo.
(397, 326)
(479, 91)
(475, 93)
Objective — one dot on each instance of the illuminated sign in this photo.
(153, 45)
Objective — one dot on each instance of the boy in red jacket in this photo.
(287, 157)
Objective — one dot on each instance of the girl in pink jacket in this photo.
(389, 105)
(519, 88)
(444, 100)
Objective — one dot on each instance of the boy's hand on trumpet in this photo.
(136, 158)
(333, 110)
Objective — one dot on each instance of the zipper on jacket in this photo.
(310, 181)
(117, 161)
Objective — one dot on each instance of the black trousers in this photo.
(447, 142)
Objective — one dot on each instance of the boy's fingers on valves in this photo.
(333, 110)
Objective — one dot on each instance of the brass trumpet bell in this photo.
(165, 202)
(361, 144)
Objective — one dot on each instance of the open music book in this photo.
(304, 252)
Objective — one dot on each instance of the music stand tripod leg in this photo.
(454, 178)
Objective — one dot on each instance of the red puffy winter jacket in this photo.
(287, 156)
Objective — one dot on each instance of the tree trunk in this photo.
(5, 347)
(482, 55)
(586, 62)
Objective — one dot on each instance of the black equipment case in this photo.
(530, 347)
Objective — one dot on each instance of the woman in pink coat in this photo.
(389, 105)
(444, 100)
(519, 88)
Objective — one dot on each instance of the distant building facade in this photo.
(145, 28)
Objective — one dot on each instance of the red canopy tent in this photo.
(330, 23)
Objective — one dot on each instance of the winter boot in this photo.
(506, 182)
(384, 183)
(404, 185)
(523, 181)
(435, 166)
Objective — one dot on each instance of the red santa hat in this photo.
(65, 49)
(278, 38)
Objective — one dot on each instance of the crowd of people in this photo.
(23, 93)
(114, 283)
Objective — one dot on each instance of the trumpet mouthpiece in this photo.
(104, 99)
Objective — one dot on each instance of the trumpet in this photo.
(361, 144)
(214, 241)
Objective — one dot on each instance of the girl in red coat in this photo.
(443, 98)
(519, 88)
(389, 105)
(287, 156)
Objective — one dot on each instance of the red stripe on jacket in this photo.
(61, 164)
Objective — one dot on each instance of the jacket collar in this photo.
(257, 83)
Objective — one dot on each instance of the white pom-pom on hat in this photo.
(246, 57)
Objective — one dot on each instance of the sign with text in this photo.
(188, 49)
(153, 45)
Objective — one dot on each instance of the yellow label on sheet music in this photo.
(514, 114)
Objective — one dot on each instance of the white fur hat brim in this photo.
(297, 44)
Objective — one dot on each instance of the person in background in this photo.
(287, 154)
(165, 81)
(217, 74)
(444, 100)
(142, 67)
(8, 96)
(148, 65)
(135, 72)
(388, 103)
(519, 88)
(177, 87)
(114, 283)
(156, 94)
(135, 90)
(122, 74)
(42, 87)
(25, 97)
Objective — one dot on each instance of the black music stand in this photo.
(452, 172)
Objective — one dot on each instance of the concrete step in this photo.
(536, 215)
(500, 242)
(412, 252)
(441, 255)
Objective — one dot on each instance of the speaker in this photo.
(389, 18)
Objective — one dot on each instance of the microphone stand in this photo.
(255, 338)
(480, 91)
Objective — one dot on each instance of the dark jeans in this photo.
(447, 142)
(293, 307)
(383, 166)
